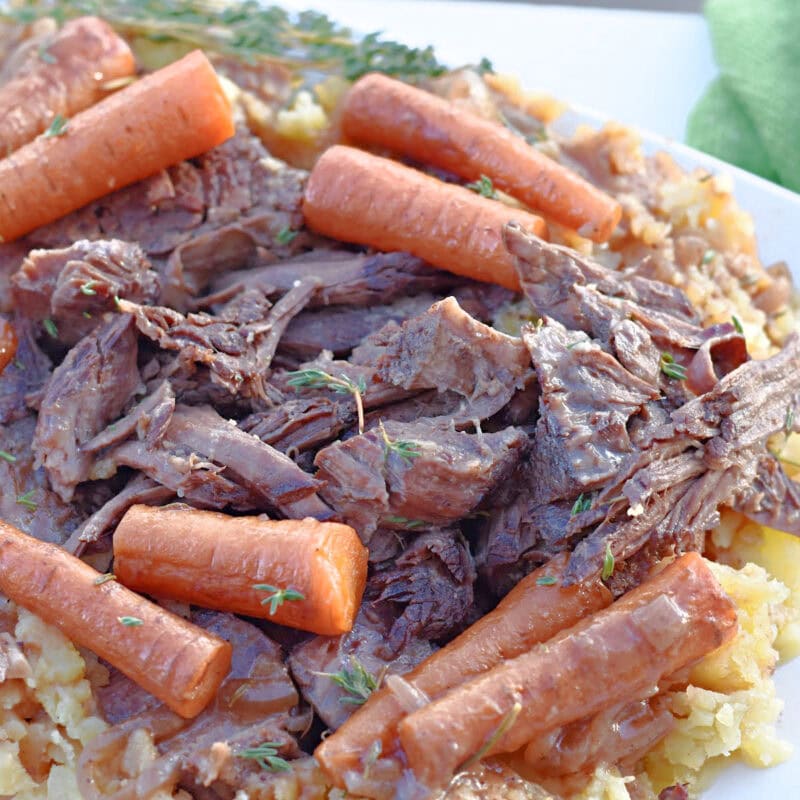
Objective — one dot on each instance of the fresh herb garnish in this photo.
(788, 422)
(26, 499)
(737, 324)
(405, 522)
(408, 451)
(104, 578)
(58, 127)
(319, 379)
(285, 236)
(51, 328)
(248, 31)
(88, 288)
(6, 456)
(484, 187)
(86, 315)
(707, 177)
(506, 723)
(266, 756)
(708, 256)
(373, 754)
(583, 503)
(484, 66)
(130, 622)
(46, 56)
(608, 563)
(277, 596)
(672, 369)
(546, 580)
(355, 680)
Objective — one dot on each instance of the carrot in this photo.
(533, 611)
(175, 113)
(386, 112)
(66, 77)
(8, 344)
(361, 198)
(619, 653)
(301, 573)
(179, 663)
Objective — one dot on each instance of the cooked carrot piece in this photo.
(8, 344)
(66, 77)
(301, 573)
(179, 663)
(357, 197)
(173, 114)
(383, 111)
(533, 611)
(621, 652)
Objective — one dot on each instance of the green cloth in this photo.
(750, 115)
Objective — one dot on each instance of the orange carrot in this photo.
(619, 653)
(168, 116)
(8, 344)
(301, 573)
(179, 663)
(386, 112)
(533, 611)
(361, 198)
(66, 77)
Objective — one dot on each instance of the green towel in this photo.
(750, 115)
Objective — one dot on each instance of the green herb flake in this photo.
(285, 236)
(546, 580)
(671, 368)
(46, 56)
(608, 563)
(58, 127)
(407, 451)
(87, 315)
(27, 499)
(51, 328)
(6, 456)
(319, 379)
(405, 522)
(788, 422)
(88, 288)
(105, 578)
(484, 66)
(709, 256)
(130, 622)
(583, 503)
(266, 756)
(505, 724)
(355, 681)
(484, 187)
(737, 324)
(277, 596)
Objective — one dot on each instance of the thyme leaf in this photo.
(788, 422)
(25, 499)
(506, 723)
(355, 680)
(484, 187)
(277, 596)
(408, 451)
(58, 127)
(104, 578)
(708, 256)
(583, 503)
(266, 756)
(405, 522)
(130, 622)
(546, 580)
(6, 456)
(737, 324)
(285, 236)
(671, 368)
(88, 288)
(50, 327)
(608, 563)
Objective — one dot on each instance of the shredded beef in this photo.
(437, 476)
(87, 390)
(314, 661)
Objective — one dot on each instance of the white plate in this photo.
(642, 68)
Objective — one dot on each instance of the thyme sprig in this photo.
(319, 379)
(583, 503)
(266, 756)
(355, 680)
(277, 596)
(247, 30)
(405, 522)
(504, 726)
(408, 451)
(27, 501)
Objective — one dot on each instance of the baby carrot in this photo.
(383, 111)
(173, 114)
(357, 197)
(301, 573)
(179, 663)
(533, 611)
(8, 344)
(619, 653)
(65, 77)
